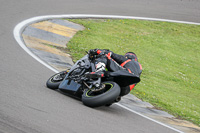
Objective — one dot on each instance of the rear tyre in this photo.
(54, 81)
(108, 105)
(105, 96)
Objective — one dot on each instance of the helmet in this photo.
(131, 55)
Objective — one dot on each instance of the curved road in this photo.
(26, 105)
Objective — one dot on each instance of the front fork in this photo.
(95, 86)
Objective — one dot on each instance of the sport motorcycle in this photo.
(92, 88)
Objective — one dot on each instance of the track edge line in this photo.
(22, 25)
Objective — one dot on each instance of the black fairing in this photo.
(124, 78)
(69, 86)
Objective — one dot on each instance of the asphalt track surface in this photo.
(26, 105)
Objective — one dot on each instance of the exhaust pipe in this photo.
(118, 99)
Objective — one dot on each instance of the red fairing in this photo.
(132, 86)
(140, 66)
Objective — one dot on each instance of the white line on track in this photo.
(21, 26)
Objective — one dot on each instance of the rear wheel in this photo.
(105, 96)
(54, 81)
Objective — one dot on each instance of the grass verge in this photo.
(169, 54)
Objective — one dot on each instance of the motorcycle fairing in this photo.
(124, 78)
(69, 86)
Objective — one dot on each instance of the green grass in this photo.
(169, 54)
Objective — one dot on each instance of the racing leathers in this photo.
(115, 62)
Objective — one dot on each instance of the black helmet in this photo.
(131, 55)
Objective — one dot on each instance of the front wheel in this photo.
(107, 95)
(54, 81)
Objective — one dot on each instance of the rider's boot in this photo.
(99, 71)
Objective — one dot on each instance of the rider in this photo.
(114, 62)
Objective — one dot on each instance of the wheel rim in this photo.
(56, 78)
(107, 87)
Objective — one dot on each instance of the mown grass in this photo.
(169, 54)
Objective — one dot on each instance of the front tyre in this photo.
(107, 95)
(54, 81)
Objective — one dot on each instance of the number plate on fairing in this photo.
(69, 85)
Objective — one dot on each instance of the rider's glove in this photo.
(93, 51)
(98, 51)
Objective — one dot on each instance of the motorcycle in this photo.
(93, 89)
